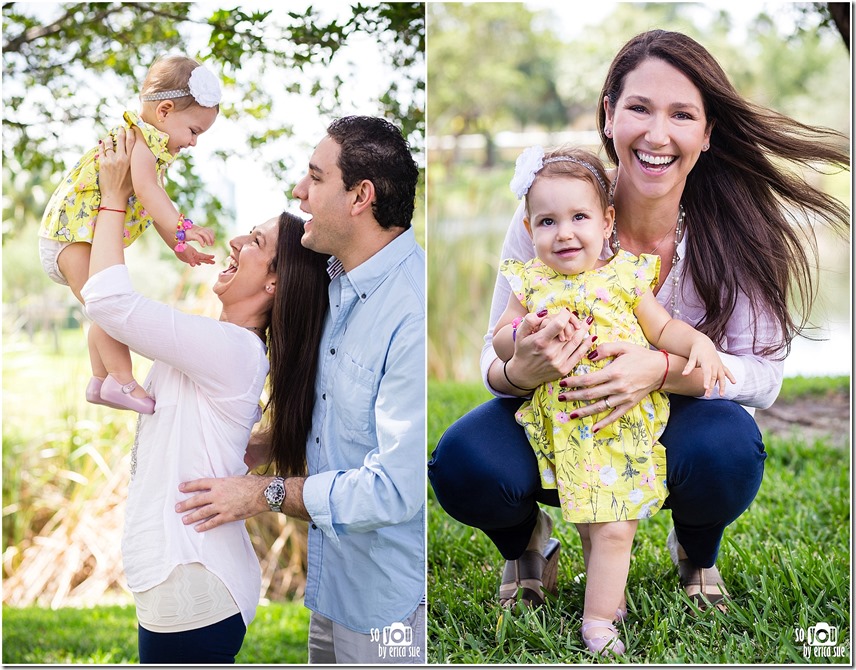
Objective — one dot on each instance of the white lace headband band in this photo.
(531, 161)
(203, 86)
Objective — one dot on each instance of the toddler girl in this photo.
(610, 478)
(179, 101)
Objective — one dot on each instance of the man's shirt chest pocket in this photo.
(354, 392)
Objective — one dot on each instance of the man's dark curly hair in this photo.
(373, 148)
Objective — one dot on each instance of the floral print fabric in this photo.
(73, 207)
(620, 472)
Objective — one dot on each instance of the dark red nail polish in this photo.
(562, 397)
(589, 320)
(576, 314)
(563, 384)
(595, 430)
(542, 313)
(592, 355)
(594, 338)
(574, 415)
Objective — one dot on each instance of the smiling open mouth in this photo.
(652, 161)
(231, 268)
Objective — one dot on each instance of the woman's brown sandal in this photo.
(711, 589)
(704, 586)
(530, 576)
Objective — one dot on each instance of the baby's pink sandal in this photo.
(605, 643)
(117, 395)
(93, 393)
(621, 612)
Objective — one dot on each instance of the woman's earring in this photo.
(268, 288)
(607, 132)
(705, 147)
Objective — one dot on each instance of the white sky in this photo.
(242, 183)
(575, 16)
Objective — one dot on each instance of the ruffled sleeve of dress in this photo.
(155, 139)
(637, 275)
(515, 272)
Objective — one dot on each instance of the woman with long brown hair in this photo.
(196, 594)
(701, 179)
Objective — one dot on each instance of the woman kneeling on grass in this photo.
(698, 182)
(196, 593)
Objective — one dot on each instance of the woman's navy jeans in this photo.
(485, 475)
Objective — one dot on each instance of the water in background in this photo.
(830, 349)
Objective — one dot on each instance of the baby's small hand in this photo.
(713, 370)
(567, 333)
(199, 234)
(193, 257)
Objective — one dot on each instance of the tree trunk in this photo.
(840, 12)
(489, 151)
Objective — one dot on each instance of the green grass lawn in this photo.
(108, 635)
(785, 562)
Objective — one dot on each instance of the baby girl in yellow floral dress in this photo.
(179, 101)
(610, 478)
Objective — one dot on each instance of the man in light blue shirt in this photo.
(364, 495)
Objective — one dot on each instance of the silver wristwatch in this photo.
(275, 494)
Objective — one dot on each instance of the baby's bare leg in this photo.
(115, 358)
(585, 538)
(106, 355)
(606, 570)
(73, 262)
(98, 368)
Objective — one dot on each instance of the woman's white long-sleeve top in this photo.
(206, 380)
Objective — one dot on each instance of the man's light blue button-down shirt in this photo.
(365, 492)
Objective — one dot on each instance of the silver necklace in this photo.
(679, 232)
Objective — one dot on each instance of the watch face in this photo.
(275, 492)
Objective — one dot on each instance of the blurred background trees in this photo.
(69, 63)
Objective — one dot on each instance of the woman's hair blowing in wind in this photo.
(749, 214)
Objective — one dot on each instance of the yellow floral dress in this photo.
(620, 472)
(71, 211)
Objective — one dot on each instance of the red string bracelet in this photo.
(666, 373)
(110, 209)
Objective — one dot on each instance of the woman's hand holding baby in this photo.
(548, 347)
(114, 179)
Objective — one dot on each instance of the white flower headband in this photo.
(531, 161)
(203, 86)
